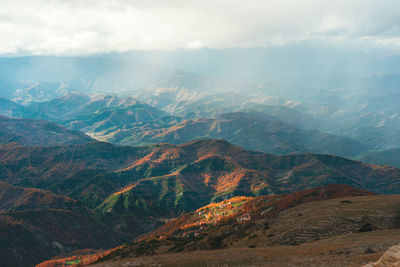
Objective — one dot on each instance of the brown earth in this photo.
(297, 231)
(353, 249)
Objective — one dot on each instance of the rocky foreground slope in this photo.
(333, 225)
(390, 258)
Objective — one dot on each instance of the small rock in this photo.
(391, 258)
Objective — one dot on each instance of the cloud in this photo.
(195, 45)
(85, 27)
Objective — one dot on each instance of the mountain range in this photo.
(127, 121)
(250, 130)
(130, 121)
(189, 163)
(128, 185)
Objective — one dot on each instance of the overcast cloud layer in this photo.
(95, 26)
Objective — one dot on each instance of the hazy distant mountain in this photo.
(380, 138)
(125, 120)
(111, 119)
(31, 132)
(90, 114)
(41, 91)
(359, 105)
(285, 114)
(57, 108)
(371, 123)
(8, 85)
(184, 83)
(41, 78)
(386, 157)
(349, 79)
(9, 107)
(251, 130)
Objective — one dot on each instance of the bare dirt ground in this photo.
(347, 250)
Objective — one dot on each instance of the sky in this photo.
(80, 27)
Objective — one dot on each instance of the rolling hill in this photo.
(31, 236)
(127, 186)
(20, 198)
(37, 225)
